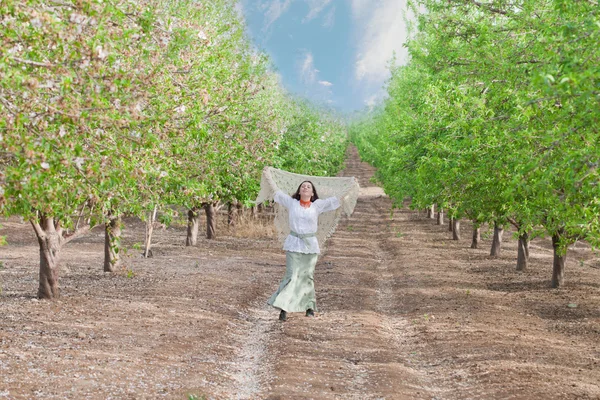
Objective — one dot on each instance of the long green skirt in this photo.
(296, 291)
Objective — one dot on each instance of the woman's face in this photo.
(306, 189)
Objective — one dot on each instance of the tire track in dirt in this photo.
(248, 368)
(251, 369)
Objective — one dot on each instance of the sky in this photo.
(334, 52)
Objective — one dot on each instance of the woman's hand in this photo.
(268, 176)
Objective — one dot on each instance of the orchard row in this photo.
(112, 108)
(495, 118)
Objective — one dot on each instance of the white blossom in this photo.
(7, 20)
(36, 23)
(79, 162)
(45, 165)
(102, 54)
(16, 49)
(77, 18)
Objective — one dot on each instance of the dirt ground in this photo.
(404, 313)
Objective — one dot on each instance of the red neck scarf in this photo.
(305, 204)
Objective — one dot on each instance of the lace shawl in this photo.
(345, 189)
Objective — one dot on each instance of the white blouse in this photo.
(303, 221)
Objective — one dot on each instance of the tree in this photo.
(70, 96)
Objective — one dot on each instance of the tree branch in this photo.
(38, 229)
(11, 107)
(528, 62)
(59, 4)
(34, 63)
(492, 9)
(67, 238)
(80, 216)
(530, 102)
(513, 222)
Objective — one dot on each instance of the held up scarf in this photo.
(345, 189)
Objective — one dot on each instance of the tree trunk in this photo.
(440, 217)
(560, 258)
(476, 236)
(260, 210)
(211, 220)
(431, 212)
(456, 229)
(149, 229)
(231, 214)
(245, 213)
(450, 224)
(239, 210)
(192, 227)
(50, 242)
(497, 241)
(112, 242)
(523, 252)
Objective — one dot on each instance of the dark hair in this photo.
(314, 197)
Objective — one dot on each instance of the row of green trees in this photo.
(496, 118)
(112, 108)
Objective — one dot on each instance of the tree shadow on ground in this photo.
(520, 286)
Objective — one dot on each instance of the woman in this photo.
(296, 291)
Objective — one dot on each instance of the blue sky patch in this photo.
(334, 52)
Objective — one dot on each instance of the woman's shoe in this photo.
(283, 316)
(310, 312)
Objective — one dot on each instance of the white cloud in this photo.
(308, 72)
(315, 7)
(371, 100)
(239, 9)
(317, 89)
(329, 18)
(359, 7)
(380, 31)
(275, 9)
(375, 98)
